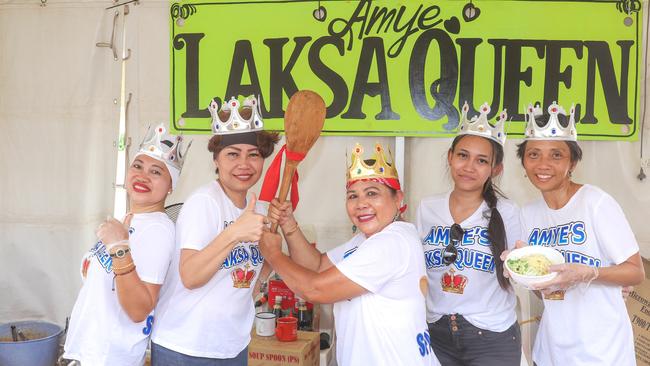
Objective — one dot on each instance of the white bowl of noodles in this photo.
(529, 265)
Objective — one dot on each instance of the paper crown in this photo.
(228, 118)
(166, 148)
(380, 169)
(453, 283)
(480, 126)
(553, 129)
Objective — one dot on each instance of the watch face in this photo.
(120, 253)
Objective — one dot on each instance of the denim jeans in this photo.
(161, 356)
(456, 342)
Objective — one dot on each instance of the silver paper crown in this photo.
(234, 122)
(480, 126)
(164, 147)
(553, 129)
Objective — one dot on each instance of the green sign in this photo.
(405, 68)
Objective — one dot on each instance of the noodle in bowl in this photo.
(529, 265)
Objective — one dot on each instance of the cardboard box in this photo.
(268, 351)
(638, 307)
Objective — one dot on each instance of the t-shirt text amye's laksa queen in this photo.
(438, 237)
(563, 235)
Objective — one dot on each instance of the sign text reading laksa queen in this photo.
(406, 67)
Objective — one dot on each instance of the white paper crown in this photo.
(165, 148)
(227, 118)
(480, 126)
(553, 129)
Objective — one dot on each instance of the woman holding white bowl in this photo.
(585, 321)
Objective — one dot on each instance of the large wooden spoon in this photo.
(303, 123)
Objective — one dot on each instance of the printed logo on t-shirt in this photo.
(453, 283)
(438, 238)
(349, 252)
(562, 235)
(241, 278)
(149, 324)
(243, 260)
(99, 251)
(424, 343)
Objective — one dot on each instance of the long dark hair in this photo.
(496, 228)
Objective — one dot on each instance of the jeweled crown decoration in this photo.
(164, 147)
(479, 125)
(227, 118)
(553, 129)
(380, 169)
(453, 283)
(241, 278)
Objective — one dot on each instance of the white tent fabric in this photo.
(59, 108)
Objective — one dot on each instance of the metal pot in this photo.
(40, 348)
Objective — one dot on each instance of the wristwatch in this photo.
(120, 253)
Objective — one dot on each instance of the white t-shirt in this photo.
(387, 325)
(592, 326)
(215, 320)
(100, 332)
(469, 286)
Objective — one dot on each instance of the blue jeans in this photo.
(161, 356)
(456, 342)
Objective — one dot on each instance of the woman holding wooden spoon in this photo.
(377, 280)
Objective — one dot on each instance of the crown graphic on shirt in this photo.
(453, 283)
(553, 129)
(479, 126)
(241, 278)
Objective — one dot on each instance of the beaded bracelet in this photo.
(125, 267)
(123, 273)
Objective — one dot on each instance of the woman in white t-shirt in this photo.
(470, 304)
(585, 321)
(112, 317)
(205, 312)
(376, 281)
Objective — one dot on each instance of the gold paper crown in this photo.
(358, 169)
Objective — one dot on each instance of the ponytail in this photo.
(496, 230)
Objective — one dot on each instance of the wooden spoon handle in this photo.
(289, 169)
